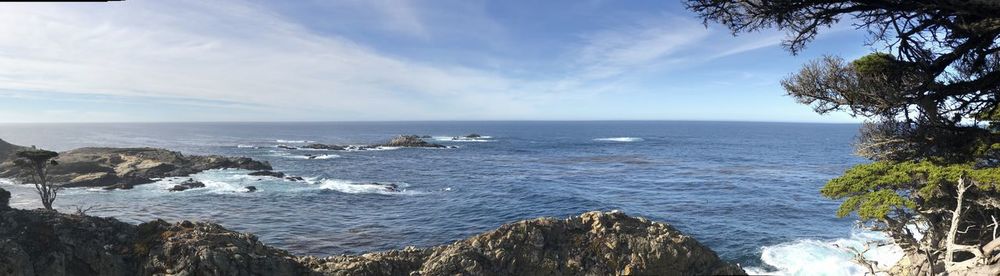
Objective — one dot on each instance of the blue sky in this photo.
(358, 60)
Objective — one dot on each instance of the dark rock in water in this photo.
(4, 199)
(426, 136)
(251, 189)
(473, 136)
(295, 178)
(268, 173)
(122, 186)
(187, 184)
(102, 167)
(411, 141)
(323, 147)
(38, 242)
(310, 156)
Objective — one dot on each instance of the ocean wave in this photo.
(246, 146)
(815, 257)
(463, 139)
(351, 187)
(620, 139)
(294, 141)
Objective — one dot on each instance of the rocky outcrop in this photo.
(7, 150)
(39, 242)
(410, 141)
(324, 147)
(186, 185)
(597, 243)
(125, 167)
(268, 173)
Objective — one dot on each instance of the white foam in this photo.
(815, 257)
(349, 187)
(294, 141)
(620, 139)
(323, 156)
(246, 146)
(463, 139)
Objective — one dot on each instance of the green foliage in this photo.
(873, 190)
(875, 63)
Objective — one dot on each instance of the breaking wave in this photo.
(620, 139)
(815, 257)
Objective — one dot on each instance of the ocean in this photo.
(750, 191)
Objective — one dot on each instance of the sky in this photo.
(387, 60)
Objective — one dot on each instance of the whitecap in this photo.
(815, 257)
(322, 156)
(463, 139)
(293, 141)
(351, 187)
(246, 146)
(620, 139)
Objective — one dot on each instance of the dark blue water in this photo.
(734, 186)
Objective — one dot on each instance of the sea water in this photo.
(750, 191)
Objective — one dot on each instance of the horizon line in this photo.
(434, 121)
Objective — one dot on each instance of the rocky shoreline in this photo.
(38, 242)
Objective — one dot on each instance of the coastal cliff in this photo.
(37, 242)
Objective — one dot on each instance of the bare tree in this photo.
(34, 164)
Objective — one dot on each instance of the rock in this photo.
(411, 141)
(473, 136)
(4, 199)
(595, 243)
(391, 187)
(426, 137)
(38, 242)
(124, 167)
(323, 147)
(186, 185)
(49, 243)
(268, 173)
(294, 178)
(122, 186)
(286, 147)
(7, 150)
(251, 189)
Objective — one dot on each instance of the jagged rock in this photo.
(251, 189)
(294, 178)
(286, 147)
(125, 167)
(411, 141)
(4, 199)
(41, 242)
(595, 243)
(473, 136)
(268, 173)
(323, 147)
(186, 185)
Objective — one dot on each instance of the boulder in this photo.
(186, 185)
(251, 189)
(294, 178)
(473, 136)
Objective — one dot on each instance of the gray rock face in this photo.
(597, 243)
(125, 167)
(411, 141)
(4, 199)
